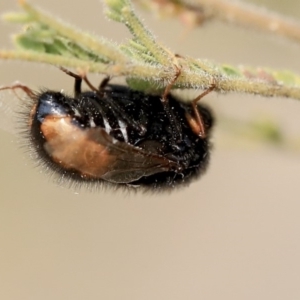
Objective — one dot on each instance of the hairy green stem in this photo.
(141, 59)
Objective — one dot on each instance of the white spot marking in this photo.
(106, 126)
(92, 123)
(123, 129)
(77, 113)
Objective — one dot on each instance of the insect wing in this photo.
(129, 163)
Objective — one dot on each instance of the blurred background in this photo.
(234, 234)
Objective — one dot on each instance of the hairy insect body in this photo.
(119, 136)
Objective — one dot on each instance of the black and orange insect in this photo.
(116, 135)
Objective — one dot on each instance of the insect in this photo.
(113, 134)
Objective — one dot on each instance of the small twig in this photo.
(93, 67)
(123, 12)
(252, 16)
(237, 12)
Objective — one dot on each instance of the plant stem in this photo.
(90, 66)
(156, 74)
(195, 73)
(252, 16)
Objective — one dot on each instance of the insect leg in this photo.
(169, 86)
(175, 126)
(103, 84)
(197, 123)
(21, 86)
(78, 81)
